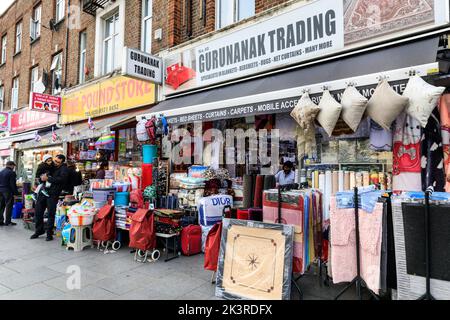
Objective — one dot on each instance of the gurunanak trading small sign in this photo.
(142, 65)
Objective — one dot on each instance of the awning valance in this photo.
(80, 131)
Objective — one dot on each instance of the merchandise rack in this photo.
(358, 280)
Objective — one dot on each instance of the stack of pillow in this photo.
(419, 100)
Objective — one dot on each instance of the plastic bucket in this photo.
(81, 220)
(17, 210)
(149, 152)
(122, 199)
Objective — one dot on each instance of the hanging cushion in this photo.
(305, 112)
(423, 98)
(330, 110)
(385, 105)
(353, 107)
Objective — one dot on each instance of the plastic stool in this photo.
(80, 238)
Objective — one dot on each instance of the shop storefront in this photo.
(294, 82)
(358, 111)
(101, 107)
(28, 125)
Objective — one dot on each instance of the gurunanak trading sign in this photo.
(303, 33)
(295, 36)
(138, 64)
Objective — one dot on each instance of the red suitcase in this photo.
(191, 240)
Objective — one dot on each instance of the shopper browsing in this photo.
(101, 172)
(287, 175)
(75, 178)
(45, 167)
(58, 180)
(8, 189)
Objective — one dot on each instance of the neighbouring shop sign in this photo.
(4, 121)
(26, 120)
(45, 103)
(313, 30)
(138, 64)
(271, 106)
(106, 97)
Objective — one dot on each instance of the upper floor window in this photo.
(18, 37)
(82, 67)
(2, 98)
(147, 16)
(35, 23)
(4, 38)
(15, 94)
(60, 10)
(111, 43)
(34, 78)
(231, 11)
(56, 70)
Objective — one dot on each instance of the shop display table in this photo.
(176, 251)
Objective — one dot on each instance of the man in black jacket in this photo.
(8, 189)
(58, 181)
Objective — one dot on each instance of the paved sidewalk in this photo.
(36, 269)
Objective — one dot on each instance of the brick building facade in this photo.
(39, 52)
(187, 20)
(176, 21)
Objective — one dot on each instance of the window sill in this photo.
(35, 40)
(17, 54)
(3, 64)
(58, 23)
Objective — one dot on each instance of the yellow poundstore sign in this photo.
(110, 96)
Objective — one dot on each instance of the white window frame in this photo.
(35, 23)
(2, 98)
(111, 48)
(233, 15)
(15, 94)
(83, 54)
(102, 14)
(147, 19)
(60, 10)
(19, 27)
(4, 48)
(34, 78)
(56, 70)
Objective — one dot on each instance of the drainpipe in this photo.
(67, 44)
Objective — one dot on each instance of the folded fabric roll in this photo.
(366, 178)
(316, 180)
(258, 197)
(341, 181)
(335, 182)
(248, 191)
(269, 182)
(352, 180)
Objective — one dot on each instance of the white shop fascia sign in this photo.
(141, 65)
(301, 33)
(313, 30)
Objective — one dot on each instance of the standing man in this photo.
(58, 180)
(8, 189)
(287, 175)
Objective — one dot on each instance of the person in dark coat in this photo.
(75, 178)
(8, 189)
(58, 180)
(45, 167)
